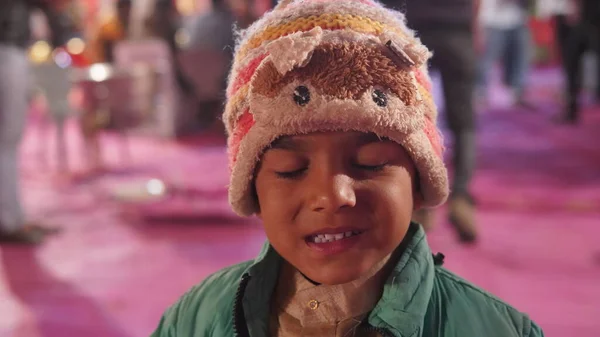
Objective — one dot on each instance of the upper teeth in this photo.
(320, 238)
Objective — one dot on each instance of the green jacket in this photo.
(420, 299)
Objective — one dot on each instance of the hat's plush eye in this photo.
(301, 95)
(380, 98)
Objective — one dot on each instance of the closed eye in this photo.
(373, 168)
(291, 174)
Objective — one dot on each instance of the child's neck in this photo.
(314, 305)
(309, 280)
(369, 274)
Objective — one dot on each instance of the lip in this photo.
(327, 249)
(335, 230)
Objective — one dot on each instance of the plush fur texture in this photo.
(344, 71)
(343, 65)
(239, 85)
(306, 15)
(294, 10)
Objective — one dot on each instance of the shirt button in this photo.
(313, 304)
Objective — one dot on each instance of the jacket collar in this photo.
(401, 309)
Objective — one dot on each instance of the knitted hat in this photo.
(330, 65)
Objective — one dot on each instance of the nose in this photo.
(331, 192)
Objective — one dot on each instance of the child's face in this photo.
(346, 183)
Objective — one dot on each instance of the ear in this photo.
(418, 200)
(254, 193)
(294, 50)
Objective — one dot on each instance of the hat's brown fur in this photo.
(344, 71)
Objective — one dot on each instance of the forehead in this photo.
(325, 139)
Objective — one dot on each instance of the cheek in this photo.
(391, 200)
(275, 214)
(274, 199)
(278, 223)
(393, 214)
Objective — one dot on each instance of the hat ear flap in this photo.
(284, 54)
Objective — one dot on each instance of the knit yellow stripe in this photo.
(427, 96)
(425, 93)
(236, 102)
(325, 21)
(241, 94)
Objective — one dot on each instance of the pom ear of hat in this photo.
(407, 52)
(294, 50)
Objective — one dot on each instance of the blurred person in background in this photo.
(14, 88)
(165, 23)
(580, 31)
(109, 31)
(214, 28)
(562, 13)
(213, 31)
(447, 28)
(243, 11)
(506, 35)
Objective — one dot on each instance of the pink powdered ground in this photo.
(113, 271)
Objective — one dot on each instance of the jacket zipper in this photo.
(240, 329)
(381, 331)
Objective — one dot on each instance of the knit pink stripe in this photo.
(434, 137)
(423, 80)
(242, 127)
(245, 74)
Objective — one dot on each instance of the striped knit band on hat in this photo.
(330, 65)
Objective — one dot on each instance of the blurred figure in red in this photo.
(110, 30)
(14, 86)
(562, 13)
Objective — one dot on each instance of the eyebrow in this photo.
(287, 143)
(368, 138)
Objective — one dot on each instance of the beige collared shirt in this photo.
(301, 308)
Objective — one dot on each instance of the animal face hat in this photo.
(330, 65)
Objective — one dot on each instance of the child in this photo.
(333, 144)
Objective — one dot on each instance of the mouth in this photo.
(333, 241)
(332, 237)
